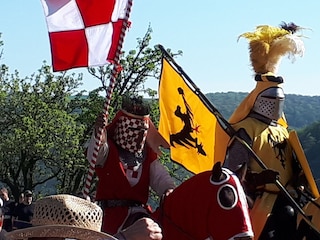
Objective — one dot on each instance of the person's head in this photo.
(135, 105)
(63, 216)
(21, 197)
(27, 197)
(131, 124)
(4, 194)
(269, 103)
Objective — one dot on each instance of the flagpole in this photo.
(232, 133)
(114, 74)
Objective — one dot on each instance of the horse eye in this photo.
(227, 196)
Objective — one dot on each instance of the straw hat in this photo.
(64, 216)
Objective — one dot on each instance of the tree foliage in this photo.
(310, 141)
(138, 66)
(39, 135)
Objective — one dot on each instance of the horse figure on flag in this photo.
(184, 137)
(209, 205)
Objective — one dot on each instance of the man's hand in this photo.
(100, 122)
(266, 176)
(143, 229)
(170, 190)
(254, 180)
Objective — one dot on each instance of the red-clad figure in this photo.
(127, 165)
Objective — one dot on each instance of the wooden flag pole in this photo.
(114, 74)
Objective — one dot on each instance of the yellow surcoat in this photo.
(271, 145)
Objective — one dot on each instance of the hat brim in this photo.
(62, 231)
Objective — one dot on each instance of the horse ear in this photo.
(242, 171)
(216, 172)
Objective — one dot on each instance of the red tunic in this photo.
(113, 185)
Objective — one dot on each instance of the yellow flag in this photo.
(196, 139)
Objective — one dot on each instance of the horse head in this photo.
(209, 205)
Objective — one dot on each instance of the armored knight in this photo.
(259, 120)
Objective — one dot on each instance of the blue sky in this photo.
(206, 31)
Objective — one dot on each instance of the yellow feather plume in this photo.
(267, 44)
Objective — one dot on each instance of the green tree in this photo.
(39, 138)
(137, 67)
(310, 141)
(1, 44)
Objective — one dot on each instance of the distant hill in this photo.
(300, 110)
(310, 141)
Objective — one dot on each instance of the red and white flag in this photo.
(85, 33)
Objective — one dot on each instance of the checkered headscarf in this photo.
(129, 131)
